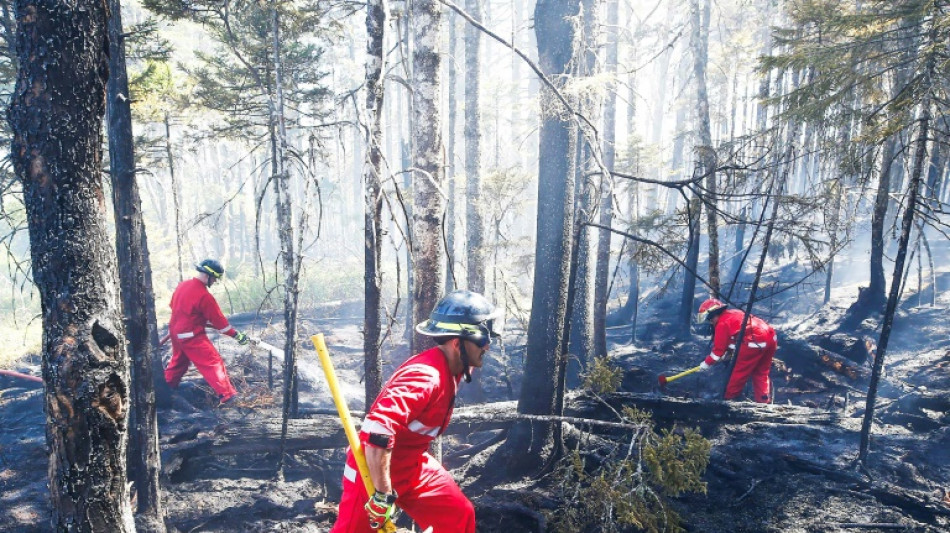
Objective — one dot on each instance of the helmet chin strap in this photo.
(465, 366)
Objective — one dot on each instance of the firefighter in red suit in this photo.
(413, 408)
(193, 308)
(754, 359)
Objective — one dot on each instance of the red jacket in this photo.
(758, 334)
(414, 406)
(193, 308)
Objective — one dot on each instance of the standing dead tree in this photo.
(135, 278)
(56, 116)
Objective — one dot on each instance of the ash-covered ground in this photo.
(763, 476)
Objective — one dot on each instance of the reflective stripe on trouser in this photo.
(432, 498)
(207, 360)
(754, 363)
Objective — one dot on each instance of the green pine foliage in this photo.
(602, 377)
(629, 488)
(851, 52)
(626, 485)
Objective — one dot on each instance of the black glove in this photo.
(241, 338)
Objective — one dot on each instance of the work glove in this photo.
(242, 338)
(704, 367)
(380, 508)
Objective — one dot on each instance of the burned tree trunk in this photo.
(56, 117)
(602, 268)
(372, 216)
(528, 443)
(285, 228)
(427, 176)
(705, 150)
(907, 225)
(135, 278)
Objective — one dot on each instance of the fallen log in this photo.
(241, 435)
(665, 408)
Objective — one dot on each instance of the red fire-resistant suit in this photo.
(754, 358)
(414, 407)
(193, 308)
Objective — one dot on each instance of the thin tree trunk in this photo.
(907, 225)
(475, 225)
(583, 268)
(372, 168)
(285, 228)
(428, 172)
(176, 192)
(873, 297)
(451, 273)
(56, 118)
(135, 279)
(602, 269)
(705, 150)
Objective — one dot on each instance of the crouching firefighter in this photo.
(412, 409)
(193, 308)
(754, 357)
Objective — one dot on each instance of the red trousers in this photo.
(754, 363)
(429, 496)
(207, 360)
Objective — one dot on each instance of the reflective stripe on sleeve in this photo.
(372, 426)
(714, 357)
(350, 473)
(758, 345)
(418, 427)
(227, 327)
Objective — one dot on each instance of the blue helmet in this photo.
(211, 267)
(464, 314)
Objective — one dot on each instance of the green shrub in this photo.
(625, 485)
(602, 377)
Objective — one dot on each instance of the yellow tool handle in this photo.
(683, 373)
(347, 421)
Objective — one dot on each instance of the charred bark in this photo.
(527, 445)
(56, 117)
(135, 279)
(581, 347)
(705, 151)
(372, 217)
(602, 268)
(285, 228)
(907, 225)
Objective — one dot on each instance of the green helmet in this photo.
(211, 267)
(464, 314)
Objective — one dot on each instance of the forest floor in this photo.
(763, 476)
